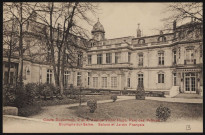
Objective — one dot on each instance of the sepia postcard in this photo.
(101, 67)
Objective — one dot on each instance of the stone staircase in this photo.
(173, 91)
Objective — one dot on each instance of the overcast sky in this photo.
(121, 19)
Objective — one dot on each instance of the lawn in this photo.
(140, 109)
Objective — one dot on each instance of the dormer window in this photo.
(181, 34)
(141, 41)
(162, 39)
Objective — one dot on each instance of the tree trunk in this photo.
(62, 69)
(52, 45)
(58, 83)
(20, 76)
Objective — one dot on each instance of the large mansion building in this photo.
(169, 62)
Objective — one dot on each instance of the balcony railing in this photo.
(111, 65)
(189, 61)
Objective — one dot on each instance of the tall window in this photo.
(160, 78)
(174, 79)
(108, 58)
(49, 56)
(49, 76)
(140, 79)
(161, 58)
(113, 82)
(189, 55)
(99, 59)
(140, 60)
(104, 82)
(89, 74)
(78, 79)
(128, 82)
(175, 56)
(66, 78)
(95, 82)
(117, 57)
(89, 59)
(80, 55)
(129, 57)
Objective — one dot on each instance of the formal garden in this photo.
(139, 109)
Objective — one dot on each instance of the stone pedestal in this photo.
(9, 110)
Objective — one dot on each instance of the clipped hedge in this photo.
(92, 104)
(114, 98)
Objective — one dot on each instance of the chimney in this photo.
(138, 31)
(161, 32)
(33, 15)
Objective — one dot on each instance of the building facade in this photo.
(170, 62)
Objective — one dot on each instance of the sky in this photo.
(121, 19)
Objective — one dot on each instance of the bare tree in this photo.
(74, 41)
(22, 12)
(61, 36)
(9, 43)
(182, 11)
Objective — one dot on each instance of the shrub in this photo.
(47, 92)
(8, 95)
(163, 113)
(114, 98)
(92, 104)
(67, 92)
(31, 91)
(22, 99)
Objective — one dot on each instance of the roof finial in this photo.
(98, 19)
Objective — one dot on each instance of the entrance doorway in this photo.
(190, 83)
